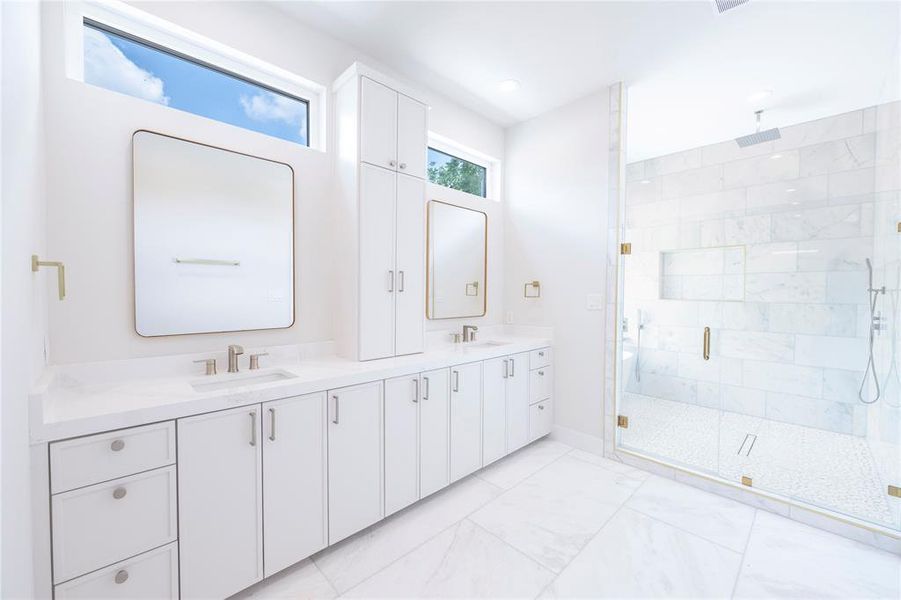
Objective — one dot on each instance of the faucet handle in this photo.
(210, 365)
(255, 360)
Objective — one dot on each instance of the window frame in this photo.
(129, 22)
(491, 165)
(484, 193)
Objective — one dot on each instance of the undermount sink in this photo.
(221, 382)
(482, 345)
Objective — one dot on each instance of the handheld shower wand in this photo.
(875, 326)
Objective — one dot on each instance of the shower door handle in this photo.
(706, 348)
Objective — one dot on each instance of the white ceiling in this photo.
(689, 70)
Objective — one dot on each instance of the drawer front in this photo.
(105, 523)
(541, 417)
(92, 459)
(153, 574)
(539, 358)
(541, 384)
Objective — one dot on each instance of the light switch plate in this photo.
(508, 318)
(594, 301)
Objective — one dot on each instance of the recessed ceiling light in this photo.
(760, 96)
(776, 156)
(508, 85)
(790, 190)
(645, 181)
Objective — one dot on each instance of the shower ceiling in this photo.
(690, 69)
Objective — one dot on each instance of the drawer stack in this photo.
(541, 387)
(113, 514)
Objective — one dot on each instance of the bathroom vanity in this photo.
(199, 486)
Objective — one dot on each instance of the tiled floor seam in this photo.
(541, 468)
(741, 565)
(692, 533)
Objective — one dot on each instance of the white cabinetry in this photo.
(294, 480)
(517, 401)
(505, 406)
(220, 502)
(434, 431)
(465, 419)
(380, 265)
(354, 459)
(540, 392)
(401, 442)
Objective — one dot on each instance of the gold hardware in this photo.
(622, 421)
(536, 289)
(899, 226)
(894, 491)
(36, 264)
(473, 287)
(625, 248)
(706, 343)
(745, 480)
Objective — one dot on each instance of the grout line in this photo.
(741, 564)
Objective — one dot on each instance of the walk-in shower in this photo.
(875, 326)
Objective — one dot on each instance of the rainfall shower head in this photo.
(724, 5)
(758, 137)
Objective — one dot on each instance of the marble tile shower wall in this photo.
(806, 210)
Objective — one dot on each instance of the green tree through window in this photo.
(456, 173)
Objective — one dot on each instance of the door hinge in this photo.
(895, 491)
(625, 248)
(622, 421)
(745, 480)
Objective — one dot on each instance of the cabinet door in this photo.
(465, 419)
(412, 136)
(494, 411)
(220, 502)
(434, 430)
(401, 442)
(410, 305)
(294, 494)
(518, 401)
(378, 124)
(354, 459)
(378, 276)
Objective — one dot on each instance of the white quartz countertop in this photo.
(75, 400)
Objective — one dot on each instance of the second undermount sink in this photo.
(482, 345)
(235, 380)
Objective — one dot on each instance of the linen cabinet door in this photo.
(354, 459)
(294, 480)
(434, 432)
(410, 298)
(378, 275)
(220, 502)
(518, 401)
(412, 136)
(465, 419)
(494, 411)
(401, 442)
(378, 124)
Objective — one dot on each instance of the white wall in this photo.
(22, 321)
(556, 230)
(89, 195)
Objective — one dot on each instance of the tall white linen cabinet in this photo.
(382, 144)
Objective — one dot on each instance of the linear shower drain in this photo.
(747, 444)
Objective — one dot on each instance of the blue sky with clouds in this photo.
(122, 65)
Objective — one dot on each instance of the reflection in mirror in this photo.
(214, 239)
(457, 251)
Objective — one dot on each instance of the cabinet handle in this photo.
(390, 281)
(416, 390)
(512, 367)
(335, 420)
(400, 281)
(403, 165)
(541, 354)
(706, 349)
(541, 407)
(271, 424)
(541, 373)
(506, 368)
(121, 576)
(425, 388)
(456, 381)
(253, 428)
(119, 493)
(392, 163)
(117, 445)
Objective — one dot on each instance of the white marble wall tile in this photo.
(785, 195)
(831, 352)
(649, 214)
(887, 177)
(856, 183)
(694, 262)
(708, 394)
(754, 345)
(888, 115)
(835, 127)
(712, 233)
(730, 371)
(834, 255)
(869, 119)
(693, 366)
(793, 408)
(635, 171)
(724, 152)
(745, 316)
(772, 258)
(848, 287)
(783, 377)
(671, 388)
(780, 166)
(733, 287)
(658, 362)
(744, 400)
(694, 181)
(653, 238)
(841, 385)
(825, 319)
(642, 191)
(748, 230)
(713, 205)
(840, 155)
(785, 287)
(690, 234)
(673, 163)
(842, 221)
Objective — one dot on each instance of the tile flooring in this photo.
(550, 521)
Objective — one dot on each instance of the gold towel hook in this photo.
(36, 264)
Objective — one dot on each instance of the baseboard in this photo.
(578, 439)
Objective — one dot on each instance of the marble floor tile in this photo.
(616, 466)
(464, 561)
(522, 463)
(714, 518)
(353, 560)
(551, 515)
(300, 582)
(789, 559)
(635, 556)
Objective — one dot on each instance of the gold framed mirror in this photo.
(457, 261)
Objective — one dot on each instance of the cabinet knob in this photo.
(403, 165)
(117, 445)
(119, 493)
(541, 407)
(121, 576)
(392, 163)
(541, 373)
(541, 353)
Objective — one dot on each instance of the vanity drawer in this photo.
(541, 384)
(153, 575)
(96, 526)
(87, 460)
(539, 358)
(541, 417)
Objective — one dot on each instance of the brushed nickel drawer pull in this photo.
(121, 576)
(335, 420)
(253, 428)
(117, 445)
(119, 493)
(271, 424)
(425, 388)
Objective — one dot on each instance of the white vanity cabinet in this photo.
(505, 406)
(517, 388)
(355, 447)
(294, 480)
(434, 431)
(401, 442)
(220, 502)
(541, 387)
(465, 419)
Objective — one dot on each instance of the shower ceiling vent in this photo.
(724, 5)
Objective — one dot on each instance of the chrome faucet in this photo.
(234, 351)
(469, 333)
